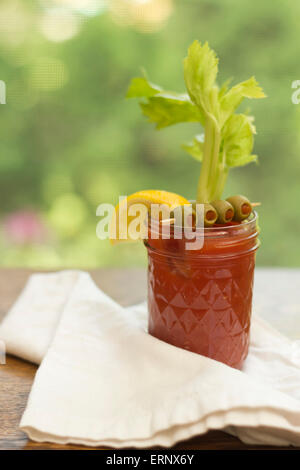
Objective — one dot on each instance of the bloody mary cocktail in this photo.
(200, 300)
(199, 297)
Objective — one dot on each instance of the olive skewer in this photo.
(237, 208)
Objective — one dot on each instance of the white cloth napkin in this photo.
(104, 381)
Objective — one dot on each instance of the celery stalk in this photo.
(228, 136)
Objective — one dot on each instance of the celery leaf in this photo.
(166, 109)
(238, 140)
(140, 87)
(233, 98)
(200, 72)
(195, 148)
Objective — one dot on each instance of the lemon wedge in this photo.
(124, 215)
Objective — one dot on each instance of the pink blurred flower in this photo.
(24, 226)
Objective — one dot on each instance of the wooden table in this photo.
(275, 298)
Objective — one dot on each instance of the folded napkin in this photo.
(104, 381)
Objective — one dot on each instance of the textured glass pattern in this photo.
(204, 309)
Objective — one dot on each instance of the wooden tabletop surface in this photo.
(276, 299)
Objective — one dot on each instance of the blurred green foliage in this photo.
(69, 140)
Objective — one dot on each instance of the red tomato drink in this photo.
(200, 300)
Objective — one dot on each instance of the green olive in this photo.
(242, 207)
(210, 215)
(225, 211)
(205, 212)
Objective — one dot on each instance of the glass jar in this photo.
(201, 299)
